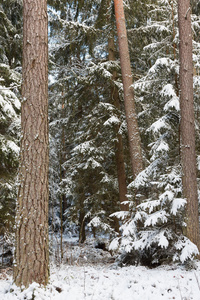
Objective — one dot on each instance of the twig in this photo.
(180, 290)
(197, 280)
(187, 13)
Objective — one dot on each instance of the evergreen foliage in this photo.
(85, 124)
(9, 148)
(155, 231)
(11, 32)
(88, 124)
(10, 82)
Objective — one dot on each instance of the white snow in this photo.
(121, 215)
(107, 281)
(13, 147)
(163, 146)
(114, 244)
(168, 90)
(91, 162)
(154, 218)
(83, 148)
(95, 222)
(161, 62)
(188, 249)
(150, 205)
(112, 120)
(7, 107)
(163, 242)
(158, 125)
(104, 283)
(173, 103)
(177, 204)
(198, 162)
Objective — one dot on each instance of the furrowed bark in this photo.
(187, 128)
(31, 253)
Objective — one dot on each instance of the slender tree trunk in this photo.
(82, 235)
(32, 256)
(119, 153)
(131, 116)
(62, 196)
(187, 129)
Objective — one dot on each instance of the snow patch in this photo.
(112, 120)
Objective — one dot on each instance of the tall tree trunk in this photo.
(32, 255)
(62, 175)
(187, 129)
(119, 153)
(131, 116)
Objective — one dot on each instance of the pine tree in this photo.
(187, 126)
(31, 257)
(131, 117)
(87, 96)
(155, 231)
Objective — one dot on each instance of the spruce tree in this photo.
(10, 85)
(155, 231)
(91, 119)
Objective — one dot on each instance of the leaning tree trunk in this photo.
(31, 257)
(187, 128)
(131, 116)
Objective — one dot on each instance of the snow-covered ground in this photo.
(105, 283)
(89, 274)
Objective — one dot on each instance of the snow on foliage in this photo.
(97, 222)
(168, 91)
(149, 205)
(112, 120)
(155, 218)
(177, 204)
(161, 62)
(121, 215)
(155, 227)
(198, 162)
(187, 248)
(159, 125)
(9, 144)
(84, 147)
(91, 163)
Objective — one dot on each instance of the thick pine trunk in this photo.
(119, 153)
(31, 257)
(131, 116)
(187, 129)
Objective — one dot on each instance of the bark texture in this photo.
(31, 253)
(187, 128)
(119, 152)
(131, 116)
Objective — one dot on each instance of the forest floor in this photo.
(89, 273)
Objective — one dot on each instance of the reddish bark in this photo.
(131, 116)
(32, 254)
(187, 128)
